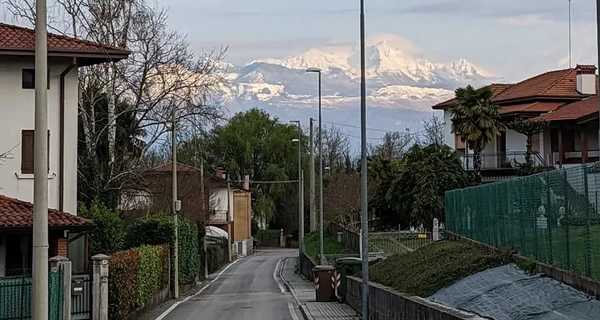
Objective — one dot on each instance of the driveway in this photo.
(247, 290)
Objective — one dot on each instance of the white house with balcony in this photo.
(564, 98)
(17, 89)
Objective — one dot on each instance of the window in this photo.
(28, 149)
(28, 79)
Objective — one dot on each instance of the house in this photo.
(564, 98)
(65, 55)
(226, 208)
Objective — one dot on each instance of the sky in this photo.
(514, 39)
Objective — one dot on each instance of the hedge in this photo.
(158, 229)
(136, 276)
(109, 234)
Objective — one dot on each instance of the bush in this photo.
(153, 273)
(123, 284)
(109, 235)
(156, 229)
(188, 252)
(218, 257)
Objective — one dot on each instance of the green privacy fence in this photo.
(551, 216)
(16, 296)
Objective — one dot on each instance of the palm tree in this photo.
(476, 119)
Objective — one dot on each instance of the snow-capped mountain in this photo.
(395, 79)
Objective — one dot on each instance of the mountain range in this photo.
(395, 79)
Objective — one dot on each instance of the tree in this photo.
(162, 74)
(255, 144)
(336, 149)
(433, 131)
(418, 193)
(343, 200)
(476, 119)
(382, 173)
(529, 128)
(393, 145)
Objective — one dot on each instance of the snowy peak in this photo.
(314, 58)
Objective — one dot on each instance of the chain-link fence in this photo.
(16, 296)
(551, 216)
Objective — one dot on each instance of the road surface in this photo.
(247, 290)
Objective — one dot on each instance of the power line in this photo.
(266, 181)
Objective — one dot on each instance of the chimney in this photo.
(220, 173)
(247, 182)
(586, 79)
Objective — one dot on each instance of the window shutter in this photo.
(27, 148)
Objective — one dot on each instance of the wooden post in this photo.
(561, 154)
(584, 147)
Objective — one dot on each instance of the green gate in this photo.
(16, 296)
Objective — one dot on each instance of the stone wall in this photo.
(386, 304)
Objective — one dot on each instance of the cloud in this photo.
(532, 20)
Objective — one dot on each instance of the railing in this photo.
(16, 296)
(268, 238)
(502, 160)
(398, 242)
(350, 240)
(219, 215)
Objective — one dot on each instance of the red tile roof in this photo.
(535, 107)
(16, 213)
(14, 38)
(574, 111)
(168, 167)
(497, 88)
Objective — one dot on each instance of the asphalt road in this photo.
(247, 290)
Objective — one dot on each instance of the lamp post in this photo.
(321, 257)
(300, 198)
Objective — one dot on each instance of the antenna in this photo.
(570, 56)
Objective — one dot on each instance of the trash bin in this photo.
(348, 266)
(323, 285)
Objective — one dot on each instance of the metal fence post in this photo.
(63, 265)
(100, 287)
(567, 213)
(588, 234)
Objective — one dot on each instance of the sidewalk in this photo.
(304, 293)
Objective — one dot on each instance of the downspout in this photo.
(61, 173)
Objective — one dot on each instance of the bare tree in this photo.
(336, 148)
(343, 200)
(131, 101)
(393, 145)
(433, 131)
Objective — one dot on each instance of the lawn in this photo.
(330, 245)
(438, 265)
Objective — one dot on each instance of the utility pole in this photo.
(204, 212)
(40, 182)
(175, 203)
(363, 169)
(230, 240)
(312, 205)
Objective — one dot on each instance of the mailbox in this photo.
(77, 287)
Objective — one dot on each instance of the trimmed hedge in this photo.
(123, 284)
(109, 234)
(158, 229)
(218, 257)
(136, 276)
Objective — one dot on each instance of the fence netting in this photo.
(16, 296)
(552, 216)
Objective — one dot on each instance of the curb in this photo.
(288, 287)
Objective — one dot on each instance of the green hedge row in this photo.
(136, 276)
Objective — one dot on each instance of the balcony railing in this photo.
(502, 160)
(219, 215)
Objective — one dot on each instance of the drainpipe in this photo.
(61, 174)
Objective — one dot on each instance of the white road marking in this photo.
(276, 278)
(171, 308)
(292, 311)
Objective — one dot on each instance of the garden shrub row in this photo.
(136, 276)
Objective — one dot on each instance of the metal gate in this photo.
(391, 243)
(81, 297)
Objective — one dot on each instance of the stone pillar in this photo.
(436, 229)
(100, 287)
(62, 264)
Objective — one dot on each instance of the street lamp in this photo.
(300, 189)
(321, 256)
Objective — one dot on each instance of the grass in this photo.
(438, 265)
(330, 245)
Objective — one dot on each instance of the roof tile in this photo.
(573, 111)
(18, 213)
(19, 38)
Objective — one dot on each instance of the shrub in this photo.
(217, 257)
(156, 229)
(188, 252)
(109, 235)
(123, 284)
(153, 273)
